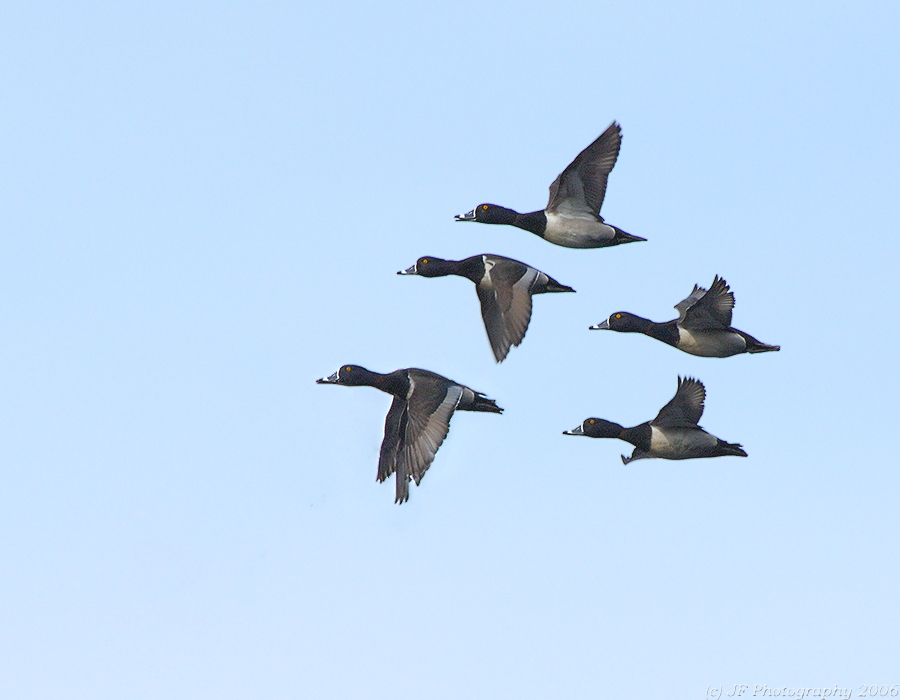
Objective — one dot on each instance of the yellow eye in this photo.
(484, 207)
(618, 315)
(425, 261)
(346, 369)
(592, 421)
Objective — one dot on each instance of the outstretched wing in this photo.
(682, 306)
(580, 188)
(430, 405)
(705, 310)
(394, 429)
(685, 408)
(506, 303)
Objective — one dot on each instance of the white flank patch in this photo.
(710, 343)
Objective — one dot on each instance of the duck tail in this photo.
(554, 286)
(623, 237)
(483, 403)
(753, 345)
(726, 449)
(544, 283)
(756, 346)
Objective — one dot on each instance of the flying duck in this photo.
(673, 434)
(703, 326)
(504, 287)
(418, 420)
(572, 217)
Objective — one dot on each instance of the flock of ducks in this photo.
(419, 417)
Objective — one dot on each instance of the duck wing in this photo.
(431, 403)
(505, 296)
(394, 429)
(579, 189)
(682, 306)
(637, 453)
(703, 310)
(685, 408)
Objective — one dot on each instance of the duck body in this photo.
(703, 327)
(576, 232)
(504, 286)
(572, 215)
(680, 443)
(673, 434)
(418, 420)
(713, 343)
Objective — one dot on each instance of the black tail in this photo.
(753, 345)
(483, 403)
(726, 449)
(756, 346)
(551, 286)
(622, 237)
(554, 286)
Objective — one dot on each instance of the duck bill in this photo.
(465, 217)
(604, 326)
(333, 379)
(577, 431)
(409, 271)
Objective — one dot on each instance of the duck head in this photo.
(349, 375)
(489, 214)
(427, 266)
(597, 428)
(623, 322)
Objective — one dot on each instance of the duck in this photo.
(703, 326)
(572, 216)
(505, 287)
(418, 420)
(673, 434)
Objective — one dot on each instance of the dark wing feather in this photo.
(581, 187)
(394, 429)
(429, 408)
(505, 298)
(686, 408)
(710, 310)
(493, 322)
(682, 306)
(402, 484)
(512, 282)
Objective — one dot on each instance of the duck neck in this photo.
(535, 221)
(470, 268)
(666, 332)
(444, 268)
(639, 436)
(396, 383)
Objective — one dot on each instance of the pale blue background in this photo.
(203, 207)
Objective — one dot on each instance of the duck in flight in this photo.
(572, 216)
(504, 287)
(673, 434)
(703, 326)
(418, 420)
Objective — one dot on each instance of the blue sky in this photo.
(203, 210)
